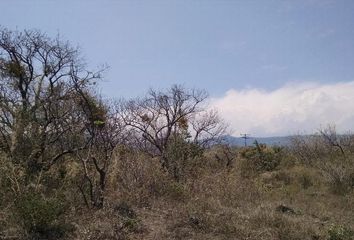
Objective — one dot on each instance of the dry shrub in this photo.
(205, 219)
(213, 201)
(266, 223)
(138, 178)
(331, 154)
(226, 187)
(214, 209)
(306, 177)
(12, 178)
(109, 223)
(209, 219)
(340, 174)
(296, 177)
(220, 157)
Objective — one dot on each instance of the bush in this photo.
(330, 153)
(175, 191)
(305, 181)
(40, 217)
(262, 158)
(125, 210)
(180, 155)
(339, 232)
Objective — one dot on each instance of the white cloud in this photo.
(288, 110)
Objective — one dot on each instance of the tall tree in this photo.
(40, 83)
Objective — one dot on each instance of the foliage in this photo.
(181, 154)
(40, 216)
(338, 232)
(262, 158)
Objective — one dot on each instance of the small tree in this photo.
(104, 132)
(160, 118)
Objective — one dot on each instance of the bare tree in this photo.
(104, 133)
(39, 79)
(329, 152)
(331, 137)
(207, 128)
(160, 117)
(225, 153)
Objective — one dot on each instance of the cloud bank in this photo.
(291, 109)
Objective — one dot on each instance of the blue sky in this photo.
(217, 45)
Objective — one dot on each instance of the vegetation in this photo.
(75, 166)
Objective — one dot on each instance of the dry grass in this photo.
(225, 203)
(215, 201)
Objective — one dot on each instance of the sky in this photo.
(272, 68)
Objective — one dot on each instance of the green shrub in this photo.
(262, 158)
(40, 217)
(180, 155)
(339, 232)
(132, 224)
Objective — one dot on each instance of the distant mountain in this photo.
(280, 141)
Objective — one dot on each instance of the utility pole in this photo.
(245, 136)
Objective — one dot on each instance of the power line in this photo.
(245, 136)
